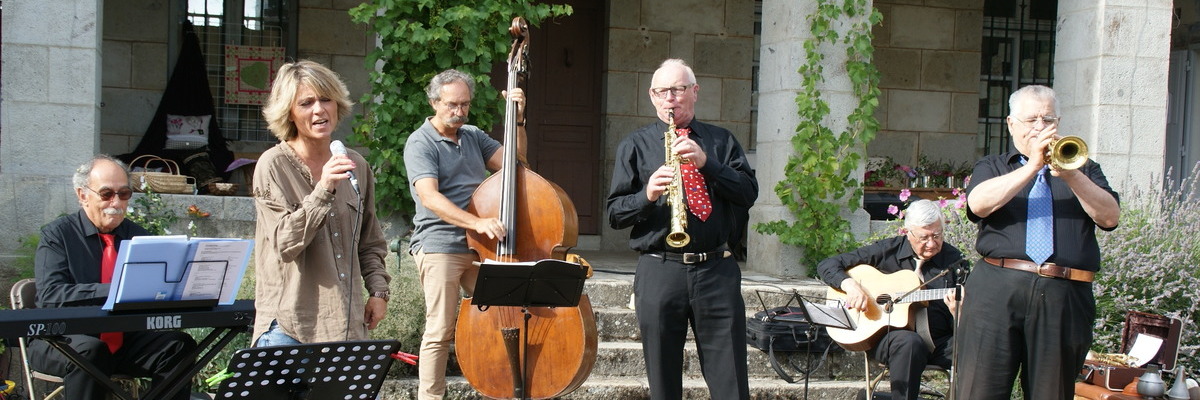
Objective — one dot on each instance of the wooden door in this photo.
(564, 111)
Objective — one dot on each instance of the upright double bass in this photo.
(541, 223)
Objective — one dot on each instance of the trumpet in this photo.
(1069, 152)
(676, 237)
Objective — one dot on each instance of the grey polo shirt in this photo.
(458, 167)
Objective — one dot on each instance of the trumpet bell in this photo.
(1070, 152)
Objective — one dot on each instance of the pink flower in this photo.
(901, 231)
(942, 203)
(962, 203)
(967, 181)
(955, 191)
(907, 170)
(892, 209)
(904, 194)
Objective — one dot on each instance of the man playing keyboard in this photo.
(73, 266)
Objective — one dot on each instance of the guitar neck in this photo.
(922, 295)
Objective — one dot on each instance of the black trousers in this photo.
(142, 354)
(669, 296)
(906, 356)
(1018, 321)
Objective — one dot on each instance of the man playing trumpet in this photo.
(698, 281)
(1031, 307)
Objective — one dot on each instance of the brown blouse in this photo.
(314, 250)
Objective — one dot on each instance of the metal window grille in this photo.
(1017, 50)
(245, 23)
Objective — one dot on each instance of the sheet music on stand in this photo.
(177, 272)
(828, 313)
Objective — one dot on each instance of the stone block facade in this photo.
(928, 56)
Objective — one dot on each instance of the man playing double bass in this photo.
(698, 283)
(446, 160)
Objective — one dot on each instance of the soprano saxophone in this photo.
(677, 237)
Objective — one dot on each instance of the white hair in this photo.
(922, 213)
(1032, 91)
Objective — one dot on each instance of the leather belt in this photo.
(690, 258)
(1048, 269)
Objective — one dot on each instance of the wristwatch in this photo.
(383, 294)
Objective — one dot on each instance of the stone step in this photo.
(624, 359)
(614, 290)
(597, 388)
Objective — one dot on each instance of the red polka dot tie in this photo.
(693, 186)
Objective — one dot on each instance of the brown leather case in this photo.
(1114, 377)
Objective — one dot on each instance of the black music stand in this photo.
(332, 370)
(545, 283)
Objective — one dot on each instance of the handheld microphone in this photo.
(337, 148)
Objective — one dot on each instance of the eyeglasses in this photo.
(107, 194)
(926, 238)
(1048, 120)
(661, 92)
(456, 106)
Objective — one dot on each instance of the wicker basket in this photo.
(161, 182)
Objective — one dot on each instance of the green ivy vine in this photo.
(418, 39)
(819, 180)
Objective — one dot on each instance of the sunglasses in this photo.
(107, 194)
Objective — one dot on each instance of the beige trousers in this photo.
(444, 278)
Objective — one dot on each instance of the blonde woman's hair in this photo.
(326, 83)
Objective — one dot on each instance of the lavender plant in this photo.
(1150, 264)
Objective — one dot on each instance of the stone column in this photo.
(49, 121)
(51, 85)
(1110, 74)
(784, 29)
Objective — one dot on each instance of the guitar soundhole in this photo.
(883, 299)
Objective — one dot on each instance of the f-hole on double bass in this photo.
(524, 352)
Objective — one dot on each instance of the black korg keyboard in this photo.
(92, 320)
(47, 323)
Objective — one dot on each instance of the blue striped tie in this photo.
(1039, 228)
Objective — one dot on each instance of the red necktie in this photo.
(693, 186)
(108, 260)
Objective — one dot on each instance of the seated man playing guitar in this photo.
(915, 266)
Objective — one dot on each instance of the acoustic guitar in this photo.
(890, 310)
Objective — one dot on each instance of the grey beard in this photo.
(113, 211)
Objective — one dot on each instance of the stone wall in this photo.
(928, 56)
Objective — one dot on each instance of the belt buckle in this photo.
(692, 258)
(1042, 268)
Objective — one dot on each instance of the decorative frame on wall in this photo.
(249, 71)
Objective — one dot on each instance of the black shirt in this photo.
(67, 263)
(894, 254)
(727, 174)
(1002, 234)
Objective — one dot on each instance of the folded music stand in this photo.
(331, 370)
(545, 283)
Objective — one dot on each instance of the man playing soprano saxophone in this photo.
(699, 282)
